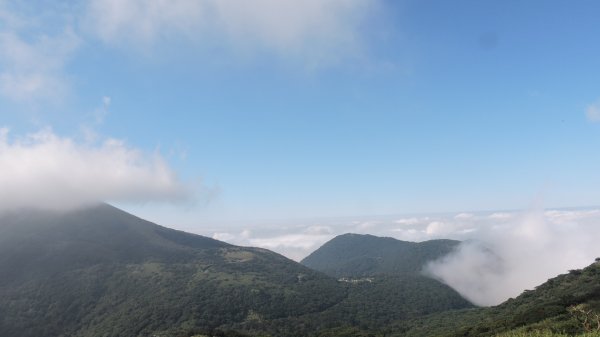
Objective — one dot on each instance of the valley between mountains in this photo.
(100, 271)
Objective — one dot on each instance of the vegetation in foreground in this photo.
(567, 304)
(103, 272)
(546, 333)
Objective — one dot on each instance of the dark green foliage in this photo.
(370, 307)
(36, 244)
(103, 272)
(384, 284)
(550, 308)
(547, 308)
(390, 285)
(347, 332)
(355, 255)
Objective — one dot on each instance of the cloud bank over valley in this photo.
(502, 254)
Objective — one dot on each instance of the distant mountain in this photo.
(568, 303)
(103, 272)
(100, 271)
(356, 255)
(37, 243)
(384, 279)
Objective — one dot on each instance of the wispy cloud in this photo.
(592, 112)
(36, 46)
(33, 56)
(34, 69)
(502, 254)
(315, 31)
(45, 170)
(122, 22)
(101, 112)
(295, 243)
(504, 258)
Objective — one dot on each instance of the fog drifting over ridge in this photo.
(520, 254)
(502, 254)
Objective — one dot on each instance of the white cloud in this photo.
(295, 243)
(408, 234)
(500, 216)
(503, 253)
(464, 216)
(318, 230)
(305, 241)
(410, 221)
(294, 246)
(592, 112)
(36, 46)
(106, 100)
(223, 236)
(437, 227)
(317, 31)
(45, 170)
(139, 21)
(365, 227)
(33, 53)
(246, 234)
(563, 217)
(520, 253)
(101, 112)
(33, 69)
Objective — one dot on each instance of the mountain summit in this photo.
(100, 271)
(356, 255)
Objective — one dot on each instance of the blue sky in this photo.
(284, 110)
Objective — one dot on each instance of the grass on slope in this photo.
(545, 333)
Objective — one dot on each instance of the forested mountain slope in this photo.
(568, 303)
(103, 272)
(356, 255)
(100, 271)
(384, 278)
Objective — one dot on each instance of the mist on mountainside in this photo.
(503, 260)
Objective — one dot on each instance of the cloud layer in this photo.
(506, 258)
(502, 254)
(44, 170)
(314, 30)
(36, 46)
(295, 242)
(592, 112)
(32, 56)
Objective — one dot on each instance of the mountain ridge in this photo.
(101, 271)
(360, 255)
(555, 306)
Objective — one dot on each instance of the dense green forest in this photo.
(103, 272)
(356, 255)
(567, 304)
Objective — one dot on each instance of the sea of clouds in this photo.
(501, 254)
